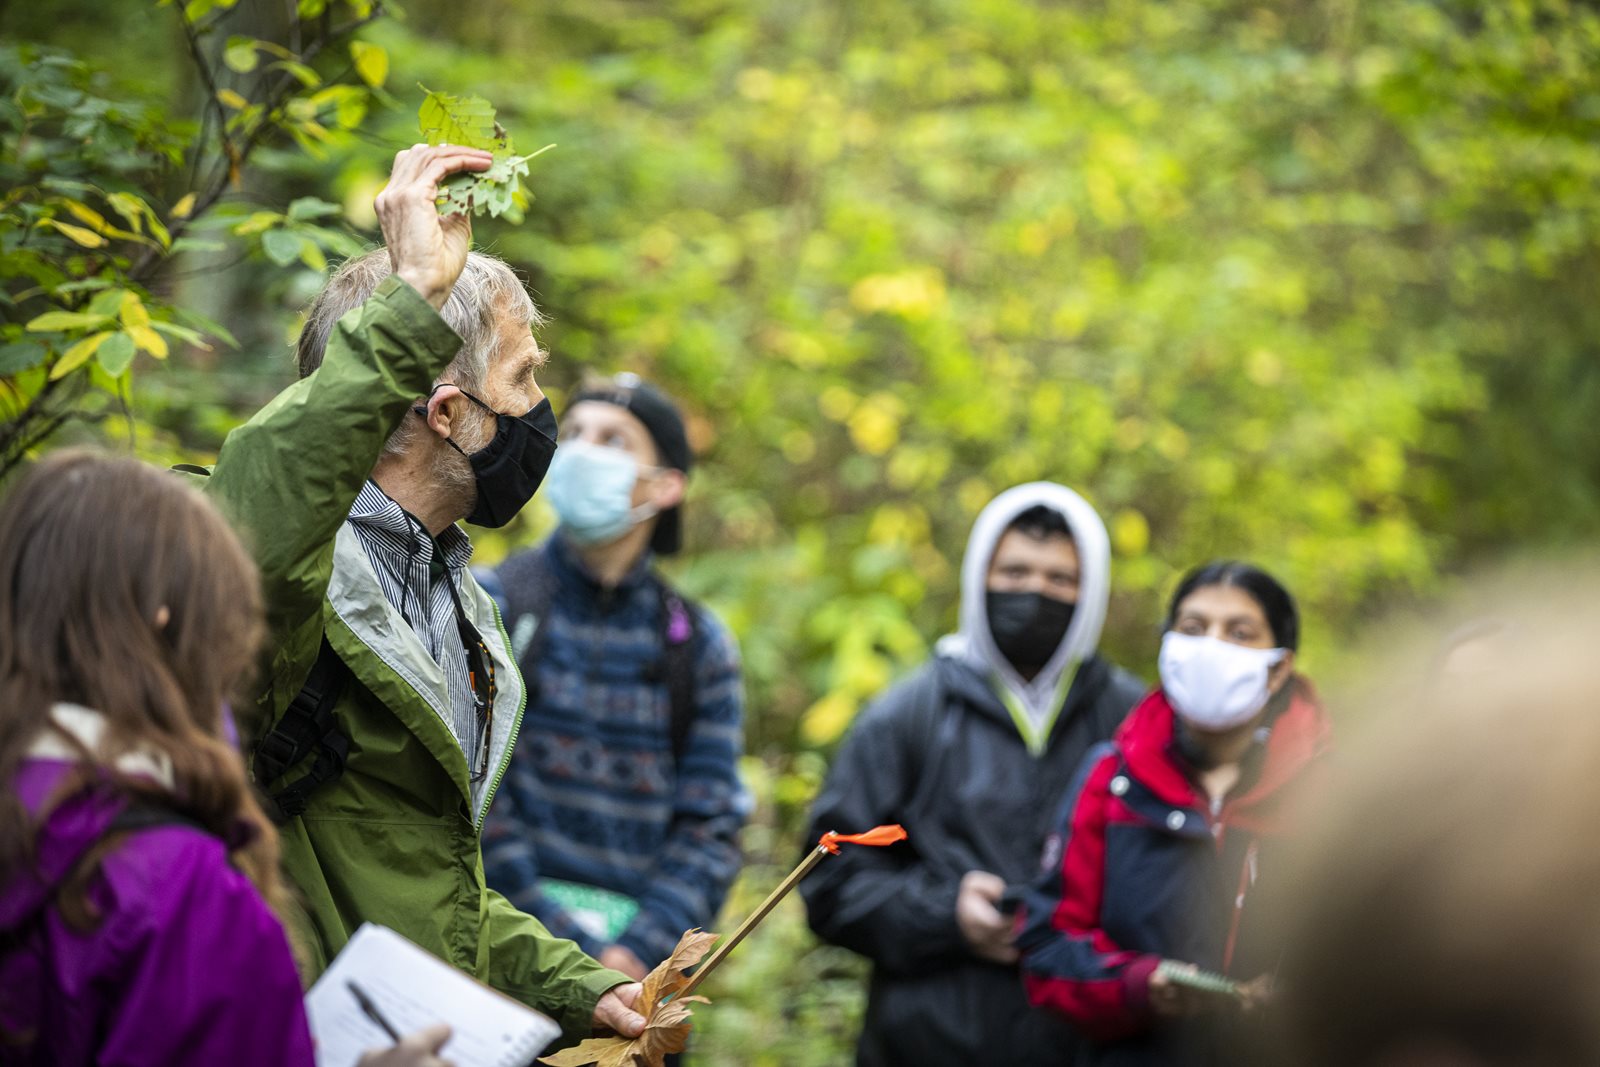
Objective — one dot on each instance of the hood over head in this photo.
(975, 644)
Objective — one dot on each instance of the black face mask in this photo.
(510, 467)
(1027, 627)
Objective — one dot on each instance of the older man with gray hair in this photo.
(392, 698)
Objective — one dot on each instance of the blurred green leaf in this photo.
(115, 354)
(281, 246)
(371, 61)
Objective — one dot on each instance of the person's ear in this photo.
(667, 487)
(1281, 672)
(443, 409)
(163, 616)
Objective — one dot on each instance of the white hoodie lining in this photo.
(975, 643)
(88, 727)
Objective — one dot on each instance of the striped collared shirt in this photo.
(402, 555)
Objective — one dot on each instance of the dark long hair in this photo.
(122, 589)
(1276, 603)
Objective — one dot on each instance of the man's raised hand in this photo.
(427, 250)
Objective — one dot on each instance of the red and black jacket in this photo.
(1141, 869)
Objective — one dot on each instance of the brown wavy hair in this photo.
(122, 589)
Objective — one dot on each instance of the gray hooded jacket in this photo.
(941, 753)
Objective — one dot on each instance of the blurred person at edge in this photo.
(391, 698)
(618, 822)
(1440, 907)
(139, 888)
(1163, 836)
(972, 753)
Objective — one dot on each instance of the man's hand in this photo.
(987, 929)
(427, 250)
(615, 1011)
(420, 1049)
(621, 959)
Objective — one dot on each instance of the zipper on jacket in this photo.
(1247, 880)
(516, 726)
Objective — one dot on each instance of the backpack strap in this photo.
(528, 587)
(679, 650)
(525, 588)
(307, 726)
(930, 732)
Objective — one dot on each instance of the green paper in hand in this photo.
(470, 121)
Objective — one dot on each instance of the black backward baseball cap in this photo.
(662, 419)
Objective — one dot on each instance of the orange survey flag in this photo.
(878, 835)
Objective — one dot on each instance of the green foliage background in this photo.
(1312, 283)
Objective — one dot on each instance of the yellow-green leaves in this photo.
(136, 322)
(64, 320)
(91, 229)
(298, 233)
(115, 354)
(77, 355)
(86, 238)
(372, 62)
(199, 9)
(463, 120)
(240, 54)
(119, 323)
(470, 121)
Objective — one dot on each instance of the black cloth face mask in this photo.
(510, 467)
(1027, 627)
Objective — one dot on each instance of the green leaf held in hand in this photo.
(470, 121)
(462, 120)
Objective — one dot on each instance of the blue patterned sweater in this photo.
(593, 794)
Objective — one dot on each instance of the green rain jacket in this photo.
(394, 840)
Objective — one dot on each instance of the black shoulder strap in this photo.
(528, 588)
(147, 814)
(930, 732)
(307, 726)
(679, 630)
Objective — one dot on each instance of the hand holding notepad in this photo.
(411, 989)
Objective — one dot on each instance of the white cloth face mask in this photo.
(1215, 684)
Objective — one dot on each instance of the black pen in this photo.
(371, 1011)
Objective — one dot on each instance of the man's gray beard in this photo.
(452, 472)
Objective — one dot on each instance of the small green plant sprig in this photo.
(470, 121)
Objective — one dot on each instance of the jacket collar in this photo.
(568, 567)
(1298, 736)
(381, 649)
(88, 728)
(965, 681)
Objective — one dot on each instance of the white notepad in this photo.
(414, 989)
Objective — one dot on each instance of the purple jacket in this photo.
(187, 966)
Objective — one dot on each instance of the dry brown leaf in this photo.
(667, 1026)
(668, 978)
(601, 1051)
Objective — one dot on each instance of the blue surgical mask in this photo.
(591, 488)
